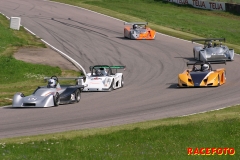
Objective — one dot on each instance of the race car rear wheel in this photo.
(77, 95)
(122, 82)
(56, 99)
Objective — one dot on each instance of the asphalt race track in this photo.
(150, 90)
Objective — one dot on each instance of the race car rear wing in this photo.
(118, 67)
(138, 23)
(209, 39)
(199, 62)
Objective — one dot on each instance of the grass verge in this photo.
(179, 21)
(161, 139)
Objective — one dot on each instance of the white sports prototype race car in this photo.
(102, 78)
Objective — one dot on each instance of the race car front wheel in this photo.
(122, 82)
(111, 87)
(56, 99)
(77, 95)
(219, 80)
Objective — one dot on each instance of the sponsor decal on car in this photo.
(32, 99)
(96, 78)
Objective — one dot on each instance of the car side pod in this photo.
(211, 80)
(152, 34)
(184, 80)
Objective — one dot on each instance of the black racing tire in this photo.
(56, 99)
(122, 82)
(77, 95)
(218, 80)
(111, 87)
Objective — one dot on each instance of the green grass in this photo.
(19, 76)
(161, 139)
(22, 71)
(180, 21)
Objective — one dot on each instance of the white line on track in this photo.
(29, 31)
(206, 111)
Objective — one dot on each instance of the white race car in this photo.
(102, 78)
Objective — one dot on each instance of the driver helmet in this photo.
(52, 83)
(209, 44)
(135, 26)
(205, 67)
(103, 71)
(97, 72)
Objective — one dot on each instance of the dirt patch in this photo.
(45, 56)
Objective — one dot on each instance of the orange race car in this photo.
(138, 30)
(202, 75)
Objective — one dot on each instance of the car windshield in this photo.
(201, 68)
(213, 44)
(100, 71)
